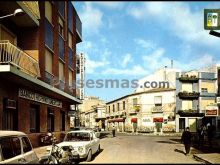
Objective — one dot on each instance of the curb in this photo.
(201, 159)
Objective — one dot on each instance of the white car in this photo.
(15, 148)
(85, 143)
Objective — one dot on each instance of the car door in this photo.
(28, 152)
(94, 142)
(11, 153)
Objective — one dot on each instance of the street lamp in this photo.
(16, 12)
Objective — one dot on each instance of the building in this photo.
(195, 90)
(92, 112)
(147, 111)
(81, 78)
(38, 66)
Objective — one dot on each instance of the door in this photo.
(28, 154)
(11, 152)
(181, 124)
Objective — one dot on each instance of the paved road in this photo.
(142, 149)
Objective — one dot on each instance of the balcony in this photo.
(10, 54)
(190, 113)
(157, 109)
(189, 95)
(186, 78)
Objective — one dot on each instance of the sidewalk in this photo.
(212, 158)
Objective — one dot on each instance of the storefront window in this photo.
(62, 121)
(34, 119)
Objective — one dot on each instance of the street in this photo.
(142, 149)
(138, 149)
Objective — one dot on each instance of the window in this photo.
(61, 26)
(26, 144)
(70, 59)
(205, 90)
(10, 147)
(118, 106)
(48, 11)
(61, 48)
(158, 100)
(135, 101)
(187, 87)
(109, 109)
(123, 105)
(61, 8)
(34, 119)
(48, 34)
(62, 121)
(61, 71)
(113, 108)
(186, 104)
(48, 61)
(70, 16)
(70, 78)
(70, 40)
(50, 120)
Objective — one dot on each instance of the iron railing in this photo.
(11, 54)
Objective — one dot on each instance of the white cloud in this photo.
(92, 65)
(145, 44)
(136, 70)
(126, 59)
(109, 4)
(178, 18)
(91, 18)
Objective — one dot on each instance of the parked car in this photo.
(15, 148)
(84, 142)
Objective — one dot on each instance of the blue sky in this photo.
(130, 40)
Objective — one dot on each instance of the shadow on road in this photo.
(180, 151)
(168, 142)
(96, 154)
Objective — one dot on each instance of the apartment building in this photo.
(195, 90)
(38, 66)
(148, 111)
(92, 112)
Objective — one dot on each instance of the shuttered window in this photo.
(48, 61)
(186, 104)
(48, 11)
(61, 71)
(70, 78)
(187, 87)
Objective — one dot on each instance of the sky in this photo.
(130, 40)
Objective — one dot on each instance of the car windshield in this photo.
(77, 136)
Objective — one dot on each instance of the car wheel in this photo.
(89, 157)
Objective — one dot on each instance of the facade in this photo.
(38, 66)
(81, 75)
(195, 90)
(91, 112)
(149, 111)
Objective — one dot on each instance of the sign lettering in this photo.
(39, 98)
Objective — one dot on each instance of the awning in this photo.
(116, 120)
(158, 119)
(134, 120)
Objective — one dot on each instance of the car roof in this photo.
(11, 133)
(82, 131)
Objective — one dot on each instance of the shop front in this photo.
(33, 107)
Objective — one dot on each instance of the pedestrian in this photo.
(210, 134)
(201, 135)
(113, 131)
(186, 140)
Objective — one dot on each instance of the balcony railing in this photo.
(62, 85)
(10, 54)
(189, 95)
(157, 109)
(186, 78)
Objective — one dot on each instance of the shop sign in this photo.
(213, 112)
(23, 93)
